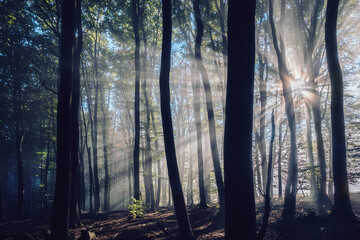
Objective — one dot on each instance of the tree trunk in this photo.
(209, 105)
(148, 154)
(74, 215)
(313, 184)
(19, 135)
(267, 210)
(60, 216)
(106, 155)
(196, 104)
(174, 178)
(94, 128)
(331, 182)
(342, 207)
(291, 182)
(240, 222)
(91, 176)
(279, 160)
(135, 23)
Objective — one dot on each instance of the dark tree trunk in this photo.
(2, 216)
(209, 105)
(279, 160)
(60, 216)
(135, 23)
(291, 182)
(94, 128)
(342, 207)
(74, 215)
(267, 210)
(19, 135)
(196, 104)
(91, 176)
(174, 177)
(82, 191)
(240, 222)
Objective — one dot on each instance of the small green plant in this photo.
(136, 209)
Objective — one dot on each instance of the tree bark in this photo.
(240, 222)
(342, 207)
(74, 215)
(60, 216)
(174, 178)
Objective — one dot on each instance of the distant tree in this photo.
(240, 222)
(173, 171)
(209, 104)
(342, 207)
(267, 196)
(60, 216)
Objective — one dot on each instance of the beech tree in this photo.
(342, 207)
(173, 171)
(240, 212)
(60, 216)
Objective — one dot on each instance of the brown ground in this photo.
(162, 225)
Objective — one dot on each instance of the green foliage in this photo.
(136, 209)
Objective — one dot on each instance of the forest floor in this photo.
(162, 225)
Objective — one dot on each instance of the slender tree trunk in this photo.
(291, 182)
(196, 105)
(258, 186)
(74, 215)
(18, 141)
(267, 210)
(313, 184)
(82, 191)
(178, 197)
(279, 160)
(95, 130)
(240, 222)
(263, 101)
(60, 216)
(106, 160)
(331, 182)
(148, 154)
(209, 105)
(91, 176)
(135, 23)
(2, 215)
(342, 207)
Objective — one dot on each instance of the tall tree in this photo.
(291, 182)
(74, 217)
(136, 155)
(173, 171)
(148, 153)
(240, 211)
(342, 207)
(209, 104)
(197, 117)
(60, 216)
